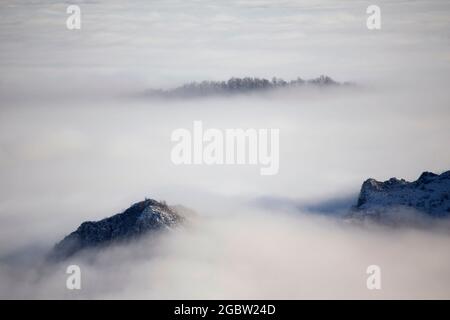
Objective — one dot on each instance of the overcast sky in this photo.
(137, 44)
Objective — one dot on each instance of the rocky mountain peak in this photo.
(141, 218)
(429, 194)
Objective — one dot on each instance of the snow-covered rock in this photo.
(141, 218)
(429, 194)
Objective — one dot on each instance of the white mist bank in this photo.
(251, 256)
(61, 166)
(73, 147)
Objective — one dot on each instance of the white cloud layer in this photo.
(71, 151)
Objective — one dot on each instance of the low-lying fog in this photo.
(74, 146)
(85, 161)
(241, 255)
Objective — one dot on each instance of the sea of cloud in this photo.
(76, 146)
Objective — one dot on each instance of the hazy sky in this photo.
(135, 44)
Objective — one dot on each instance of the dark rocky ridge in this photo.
(141, 218)
(429, 194)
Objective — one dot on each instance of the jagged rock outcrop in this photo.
(141, 218)
(429, 194)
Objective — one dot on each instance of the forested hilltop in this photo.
(239, 85)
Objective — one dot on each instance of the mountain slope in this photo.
(429, 194)
(141, 218)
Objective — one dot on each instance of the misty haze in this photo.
(86, 119)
